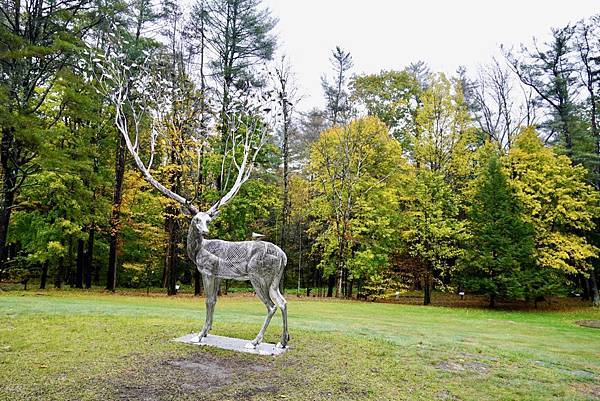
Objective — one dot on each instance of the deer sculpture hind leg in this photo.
(282, 303)
(262, 293)
(211, 287)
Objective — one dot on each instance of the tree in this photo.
(550, 72)
(181, 123)
(557, 201)
(393, 97)
(59, 202)
(132, 44)
(501, 248)
(588, 52)
(299, 242)
(286, 97)
(37, 42)
(420, 70)
(444, 135)
(349, 164)
(239, 34)
(499, 114)
(143, 234)
(431, 228)
(309, 127)
(336, 91)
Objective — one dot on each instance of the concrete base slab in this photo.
(233, 344)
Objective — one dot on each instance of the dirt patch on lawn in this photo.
(588, 389)
(595, 324)
(200, 375)
(461, 366)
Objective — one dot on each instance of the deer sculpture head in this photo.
(200, 222)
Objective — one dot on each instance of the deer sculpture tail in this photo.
(282, 264)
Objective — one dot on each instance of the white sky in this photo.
(390, 34)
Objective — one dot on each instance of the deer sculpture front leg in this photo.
(211, 288)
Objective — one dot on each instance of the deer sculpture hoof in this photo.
(201, 335)
(280, 345)
(250, 345)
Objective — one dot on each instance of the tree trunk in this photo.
(330, 285)
(89, 257)
(340, 271)
(44, 277)
(80, 263)
(585, 286)
(427, 289)
(226, 285)
(60, 272)
(170, 264)
(493, 301)
(594, 287)
(350, 284)
(9, 183)
(285, 212)
(115, 220)
(69, 275)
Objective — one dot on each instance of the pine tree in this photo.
(500, 249)
(336, 91)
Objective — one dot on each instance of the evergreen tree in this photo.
(500, 248)
(550, 72)
(336, 90)
(240, 35)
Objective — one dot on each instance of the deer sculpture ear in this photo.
(215, 214)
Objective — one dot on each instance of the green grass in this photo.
(88, 346)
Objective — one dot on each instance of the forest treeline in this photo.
(482, 181)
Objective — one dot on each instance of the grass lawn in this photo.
(76, 345)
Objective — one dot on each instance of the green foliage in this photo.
(143, 236)
(499, 258)
(431, 227)
(354, 170)
(252, 210)
(391, 96)
(387, 202)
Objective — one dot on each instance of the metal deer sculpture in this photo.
(262, 263)
(259, 262)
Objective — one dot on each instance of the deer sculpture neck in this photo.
(194, 242)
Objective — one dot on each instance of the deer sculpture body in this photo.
(260, 262)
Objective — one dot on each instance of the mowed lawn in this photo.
(74, 345)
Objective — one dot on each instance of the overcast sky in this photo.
(390, 34)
